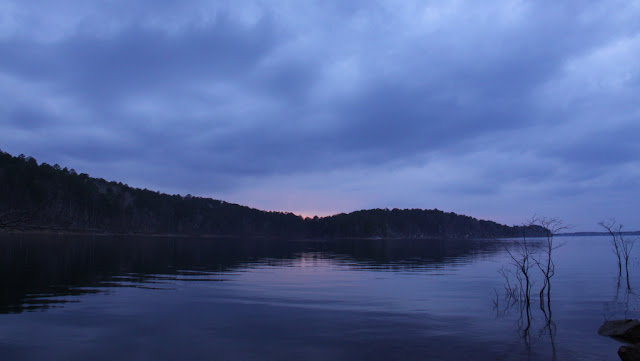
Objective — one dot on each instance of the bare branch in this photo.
(610, 226)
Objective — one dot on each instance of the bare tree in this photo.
(622, 246)
(544, 261)
(524, 256)
(522, 260)
(610, 226)
(626, 246)
(512, 291)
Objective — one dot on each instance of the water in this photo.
(106, 298)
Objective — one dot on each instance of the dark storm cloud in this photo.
(606, 148)
(497, 98)
(27, 116)
(137, 59)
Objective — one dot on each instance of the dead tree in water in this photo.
(519, 280)
(610, 225)
(545, 260)
(522, 260)
(627, 246)
(622, 246)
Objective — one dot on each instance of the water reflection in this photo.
(624, 304)
(167, 299)
(48, 271)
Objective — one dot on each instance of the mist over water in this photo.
(76, 297)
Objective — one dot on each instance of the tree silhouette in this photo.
(622, 246)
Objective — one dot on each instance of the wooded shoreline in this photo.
(45, 197)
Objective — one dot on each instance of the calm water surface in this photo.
(105, 298)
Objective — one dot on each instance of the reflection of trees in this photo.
(544, 260)
(38, 270)
(549, 329)
(622, 247)
(511, 301)
(519, 281)
(624, 302)
(43, 270)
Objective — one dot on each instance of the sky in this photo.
(500, 110)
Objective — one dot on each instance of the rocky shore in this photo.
(627, 331)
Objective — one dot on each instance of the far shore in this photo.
(76, 232)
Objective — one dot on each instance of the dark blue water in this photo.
(106, 298)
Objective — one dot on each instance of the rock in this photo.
(624, 330)
(629, 353)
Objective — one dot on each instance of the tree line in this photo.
(43, 196)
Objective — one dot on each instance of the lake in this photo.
(135, 298)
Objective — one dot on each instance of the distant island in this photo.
(48, 197)
(595, 234)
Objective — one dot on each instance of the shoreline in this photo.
(59, 232)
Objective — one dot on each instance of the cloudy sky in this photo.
(495, 109)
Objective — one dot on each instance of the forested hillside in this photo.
(42, 196)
